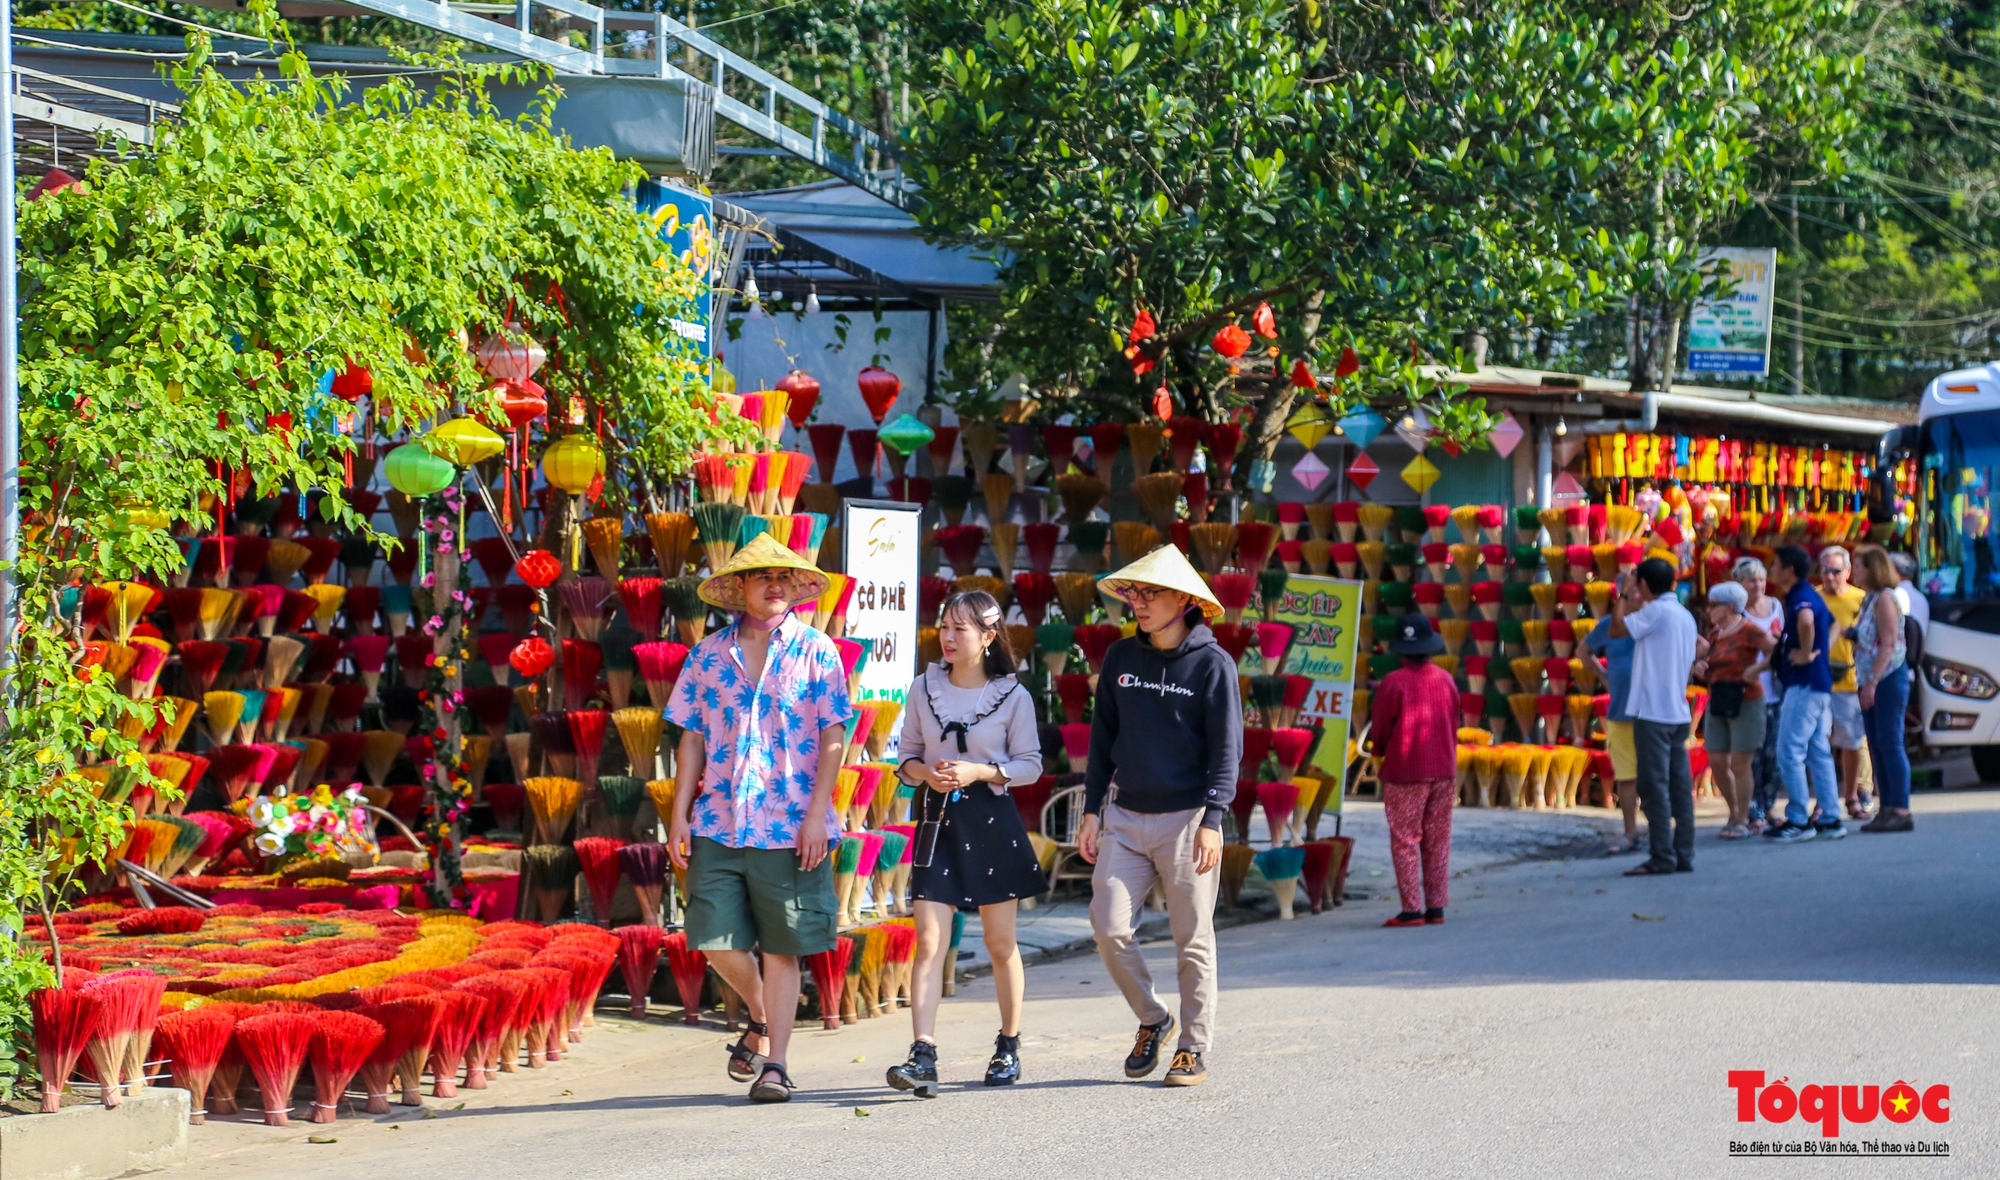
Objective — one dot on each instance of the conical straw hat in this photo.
(1167, 567)
(721, 589)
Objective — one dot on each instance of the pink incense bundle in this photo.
(265, 602)
(1076, 743)
(1233, 638)
(868, 781)
(1194, 489)
(1040, 540)
(582, 660)
(459, 1016)
(1073, 690)
(275, 1047)
(1278, 800)
(829, 973)
(641, 597)
(584, 599)
(639, 960)
(193, 1041)
(1254, 542)
(1272, 641)
(599, 857)
(690, 970)
(340, 1045)
(1297, 689)
(1034, 592)
(1288, 746)
(370, 654)
(586, 729)
(495, 647)
(660, 667)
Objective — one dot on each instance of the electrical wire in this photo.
(1991, 313)
(161, 16)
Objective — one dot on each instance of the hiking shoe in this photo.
(1187, 1070)
(1889, 821)
(1005, 1068)
(1145, 1055)
(1792, 834)
(1833, 831)
(919, 1073)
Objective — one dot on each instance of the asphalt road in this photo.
(1564, 1022)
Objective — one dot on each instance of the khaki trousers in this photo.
(1134, 851)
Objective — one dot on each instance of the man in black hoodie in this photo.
(1164, 748)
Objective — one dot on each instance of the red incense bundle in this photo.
(1256, 747)
(341, 1043)
(1254, 541)
(1318, 863)
(641, 597)
(275, 1047)
(503, 992)
(293, 611)
(660, 667)
(1233, 638)
(1034, 592)
(66, 1021)
(829, 973)
(582, 660)
(1241, 805)
(325, 551)
(1289, 746)
(202, 658)
(517, 606)
(459, 1016)
(586, 731)
(599, 857)
(362, 604)
(1040, 539)
(1096, 639)
(193, 1041)
(492, 704)
(1278, 801)
(405, 1023)
(370, 654)
(1297, 689)
(551, 996)
(639, 960)
(1073, 689)
(690, 968)
(495, 558)
(825, 438)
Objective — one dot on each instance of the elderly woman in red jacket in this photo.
(1414, 731)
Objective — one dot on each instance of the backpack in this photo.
(1913, 644)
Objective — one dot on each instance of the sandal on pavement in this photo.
(767, 1090)
(1649, 869)
(1732, 832)
(743, 1064)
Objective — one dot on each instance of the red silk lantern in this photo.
(1231, 341)
(879, 388)
(538, 568)
(1143, 327)
(521, 402)
(532, 656)
(353, 383)
(1265, 323)
(1302, 377)
(803, 390)
(1350, 363)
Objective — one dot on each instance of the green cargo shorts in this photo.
(745, 898)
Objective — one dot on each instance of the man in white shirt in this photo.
(1663, 636)
(1915, 604)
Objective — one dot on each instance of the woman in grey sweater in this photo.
(969, 733)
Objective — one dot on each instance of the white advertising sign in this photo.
(1732, 333)
(879, 541)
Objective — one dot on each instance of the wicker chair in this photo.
(1062, 815)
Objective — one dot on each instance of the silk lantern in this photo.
(469, 441)
(572, 462)
(879, 388)
(415, 472)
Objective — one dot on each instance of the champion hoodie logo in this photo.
(1128, 680)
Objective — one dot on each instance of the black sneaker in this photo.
(1145, 1056)
(1833, 831)
(1005, 1068)
(1187, 1070)
(919, 1073)
(1794, 834)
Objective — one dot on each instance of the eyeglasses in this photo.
(782, 577)
(1146, 594)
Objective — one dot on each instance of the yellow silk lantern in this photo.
(468, 441)
(572, 461)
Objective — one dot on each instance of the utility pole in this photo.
(1792, 264)
(10, 385)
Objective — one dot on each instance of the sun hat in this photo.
(1166, 567)
(1414, 637)
(720, 589)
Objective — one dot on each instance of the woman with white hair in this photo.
(1729, 659)
(1768, 613)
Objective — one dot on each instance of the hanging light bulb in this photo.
(812, 301)
(777, 298)
(1562, 427)
(750, 290)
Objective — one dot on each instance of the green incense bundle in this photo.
(1396, 597)
(1511, 634)
(1528, 519)
(621, 794)
(1268, 692)
(682, 597)
(716, 527)
(1519, 598)
(1382, 628)
(1410, 520)
(954, 495)
(1383, 663)
(1267, 513)
(1527, 558)
(1090, 537)
(1271, 587)
(1401, 557)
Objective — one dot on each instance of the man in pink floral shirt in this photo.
(763, 703)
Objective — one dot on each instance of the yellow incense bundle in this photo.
(999, 490)
(606, 537)
(1159, 497)
(661, 792)
(1552, 520)
(329, 597)
(1486, 762)
(284, 559)
(553, 802)
(673, 540)
(1135, 540)
(1598, 594)
(215, 608)
(1318, 554)
(1472, 735)
(1465, 518)
(639, 729)
(1556, 557)
(1606, 558)
(1214, 545)
(1621, 524)
(1514, 764)
(1465, 559)
(1580, 710)
(1320, 516)
(1459, 596)
(1005, 537)
(1373, 552)
(1522, 706)
(1448, 663)
(1545, 598)
(846, 781)
(1527, 672)
(981, 439)
(1454, 632)
(220, 712)
(1582, 629)
(886, 715)
(1583, 674)
(1538, 778)
(1144, 438)
(1076, 593)
(1375, 520)
(1002, 592)
(1535, 633)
